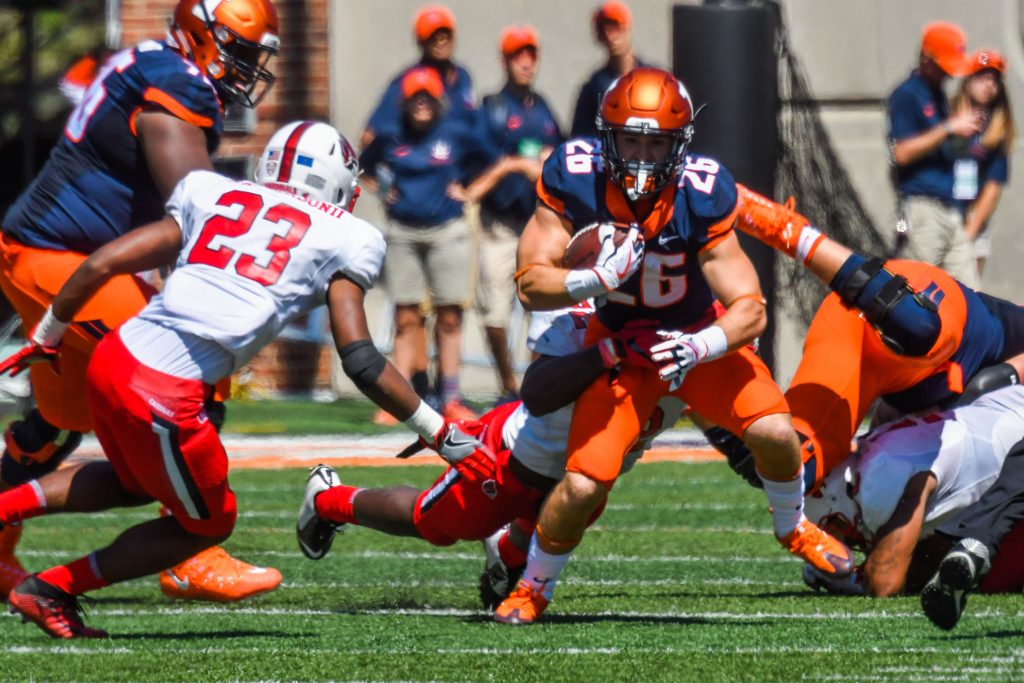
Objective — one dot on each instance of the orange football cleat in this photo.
(215, 576)
(777, 225)
(817, 548)
(523, 606)
(56, 612)
(11, 571)
(457, 410)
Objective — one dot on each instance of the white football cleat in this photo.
(314, 533)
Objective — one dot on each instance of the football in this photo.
(585, 245)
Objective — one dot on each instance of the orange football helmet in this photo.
(231, 41)
(645, 101)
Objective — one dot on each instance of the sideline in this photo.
(279, 452)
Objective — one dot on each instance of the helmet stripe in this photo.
(288, 155)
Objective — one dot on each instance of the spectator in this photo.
(613, 29)
(519, 122)
(434, 27)
(983, 157)
(920, 130)
(419, 172)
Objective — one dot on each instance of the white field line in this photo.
(306, 449)
(475, 557)
(882, 615)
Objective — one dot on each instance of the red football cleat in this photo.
(215, 576)
(57, 613)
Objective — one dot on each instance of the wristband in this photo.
(583, 284)
(425, 421)
(714, 342)
(947, 127)
(807, 243)
(50, 330)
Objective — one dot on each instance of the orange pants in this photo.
(30, 279)
(732, 391)
(846, 366)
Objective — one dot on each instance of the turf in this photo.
(680, 580)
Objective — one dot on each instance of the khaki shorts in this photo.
(937, 236)
(437, 261)
(496, 288)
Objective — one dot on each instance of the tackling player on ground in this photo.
(250, 257)
(679, 258)
(152, 115)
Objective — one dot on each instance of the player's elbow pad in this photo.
(986, 380)
(907, 320)
(362, 363)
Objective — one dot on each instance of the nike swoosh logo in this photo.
(665, 238)
(453, 440)
(622, 273)
(183, 584)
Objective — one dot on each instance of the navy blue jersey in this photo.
(518, 126)
(96, 186)
(693, 215)
(414, 170)
(584, 118)
(386, 119)
(915, 107)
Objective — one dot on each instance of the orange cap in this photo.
(431, 19)
(987, 59)
(615, 12)
(515, 38)
(945, 44)
(422, 79)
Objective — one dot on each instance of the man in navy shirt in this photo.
(434, 27)
(920, 127)
(613, 28)
(519, 122)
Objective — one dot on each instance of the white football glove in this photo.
(676, 356)
(851, 584)
(615, 265)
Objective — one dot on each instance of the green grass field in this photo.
(679, 581)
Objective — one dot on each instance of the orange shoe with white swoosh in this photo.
(215, 576)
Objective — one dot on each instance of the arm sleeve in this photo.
(188, 97)
(903, 119)
(364, 263)
(372, 155)
(583, 116)
(387, 115)
(715, 208)
(998, 170)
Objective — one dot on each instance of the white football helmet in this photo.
(312, 159)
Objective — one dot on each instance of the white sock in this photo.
(543, 569)
(786, 499)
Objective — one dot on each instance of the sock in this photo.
(22, 502)
(786, 499)
(449, 388)
(509, 553)
(80, 576)
(337, 504)
(544, 568)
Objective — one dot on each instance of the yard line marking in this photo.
(571, 581)
(461, 612)
(278, 452)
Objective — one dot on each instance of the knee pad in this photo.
(907, 321)
(33, 448)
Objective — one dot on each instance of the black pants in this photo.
(992, 517)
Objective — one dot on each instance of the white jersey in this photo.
(964, 448)
(253, 259)
(540, 442)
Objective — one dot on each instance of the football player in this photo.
(524, 458)
(901, 330)
(679, 257)
(915, 476)
(151, 115)
(249, 257)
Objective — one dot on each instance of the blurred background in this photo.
(830, 67)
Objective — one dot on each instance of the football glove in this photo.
(459, 444)
(675, 355)
(851, 584)
(615, 264)
(43, 346)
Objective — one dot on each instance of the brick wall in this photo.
(300, 92)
